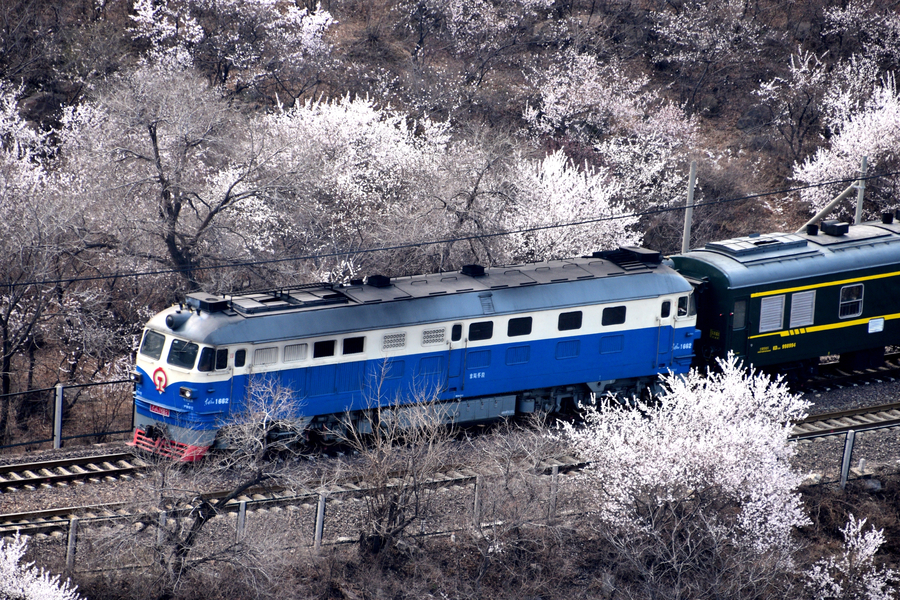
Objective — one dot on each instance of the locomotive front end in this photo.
(182, 384)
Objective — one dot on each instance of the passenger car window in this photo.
(518, 326)
(183, 354)
(153, 344)
(740, 315)
(569, 321)
(803, 308)
(771, 313)
(851, 300)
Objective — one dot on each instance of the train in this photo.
(484, 343)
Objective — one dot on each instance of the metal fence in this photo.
(95, 412)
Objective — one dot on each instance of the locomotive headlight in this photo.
(188, 393)
(137, 378)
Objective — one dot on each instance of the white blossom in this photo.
(853, 575)
(872, 130)
(708, 442)
(24, 581)
(554, 191)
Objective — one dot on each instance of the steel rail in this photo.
(58, 471)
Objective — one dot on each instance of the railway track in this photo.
(840, 422)
(831, 376)
(55, 522)
(60, 472)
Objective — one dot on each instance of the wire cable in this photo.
(411, 245)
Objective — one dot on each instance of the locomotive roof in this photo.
(325, 309)
(787, 257)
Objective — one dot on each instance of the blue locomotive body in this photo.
(483, 343)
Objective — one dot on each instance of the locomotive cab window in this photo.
(212, 359)
(569, 321)
(456, 333)
(666, 309)
(481, 331)
(240, 358)
(686, 306)
(613, 315)
(354, 345)
(152, 345)
(851, 301)
(183, 354)
(518, 326)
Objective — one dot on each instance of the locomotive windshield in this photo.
(153, 344)
(183, 354)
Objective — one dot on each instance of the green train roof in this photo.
(777, 258)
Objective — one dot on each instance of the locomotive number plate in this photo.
(159, 410)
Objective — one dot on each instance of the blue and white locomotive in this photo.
(485, 343)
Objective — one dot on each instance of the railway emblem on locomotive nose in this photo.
(160, 379)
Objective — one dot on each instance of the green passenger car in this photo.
(782, 301)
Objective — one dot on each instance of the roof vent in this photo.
(887, 218)
(812, 229)
(473, 270)
(835, 228)
(379, 281)
(206, 302)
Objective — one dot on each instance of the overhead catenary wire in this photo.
(422, 244)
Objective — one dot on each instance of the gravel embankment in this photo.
(880, 450)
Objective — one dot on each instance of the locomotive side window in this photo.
(481, 331)
(803, 308)
(740, 314)
(153, 344)
(518, 326)
(354, 345)
(207, 359)
(613, 315)
(851, 300)
(183, 354)
(265, 356)
(240, 358)
(211, 358)
(686, 306)
(666, 310)
(771, 314)
(569, 321)
(456, 333)
(295, 352)
(323, 348)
